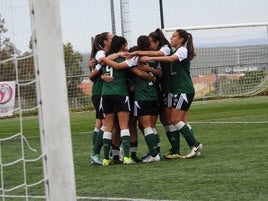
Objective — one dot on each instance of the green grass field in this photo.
(233, 165)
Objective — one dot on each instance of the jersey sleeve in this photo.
(166, 50)
(181, 53)
(132, 62)
(100, 54)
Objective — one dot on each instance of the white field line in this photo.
(117, 199)
(87, 198)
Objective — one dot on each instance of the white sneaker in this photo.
(198, 154)
(195, 152)
(96, 159)
(150, 159)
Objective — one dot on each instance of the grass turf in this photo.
(233, 165)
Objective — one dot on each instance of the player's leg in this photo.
(123, 112)
(133, 138)
(107, 137)
(116, 142)
(179, 114)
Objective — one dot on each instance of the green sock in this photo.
(98, 142)
(125, 138)
(168, 135)
(192, 131)
(150, 140)
(107, 142)
(157, 140)
(187, 134)
(175, 141)
(133, 148)
(94, 136)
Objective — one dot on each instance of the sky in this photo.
(83, 19)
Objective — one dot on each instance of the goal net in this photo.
(224, 65)
(48, 172)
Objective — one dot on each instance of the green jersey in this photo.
(97, 85)
(97, 81)
(180, 73)
(118, 86)
(144, 89)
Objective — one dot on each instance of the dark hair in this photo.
(158, 35)
(187, 38)
(133, 49)
(98, 43)
(116, 44)
(143, 42)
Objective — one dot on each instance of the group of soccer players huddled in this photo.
(134, 87)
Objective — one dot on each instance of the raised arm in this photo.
(147, 68)
(170, 59)
(94, 73)
(143, 74)
(149, 53)
(113, 64)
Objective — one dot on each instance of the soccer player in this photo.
(115, 101)
(146, 95)
(132, 119)
(101, 44)
(182, 86)
(161, 47)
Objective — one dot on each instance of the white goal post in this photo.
(51, 87)
(257, 24)
(231, 59)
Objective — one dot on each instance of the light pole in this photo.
(161, 14)
(112, 16)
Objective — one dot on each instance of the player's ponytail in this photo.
(158, 35)
(94, 48)
(187, 42)
(190, 47)
(98, 43)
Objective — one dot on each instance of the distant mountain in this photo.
(256, 41)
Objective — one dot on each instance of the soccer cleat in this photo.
(198, 154)
(160, 155)
(173, 156)
(195, 152)
(128, 160)
(95, 159)
(106, 162)
(150, 159)
(116, 159)
(169, 153)
(136, 159)
(145, 156)
(116, 155)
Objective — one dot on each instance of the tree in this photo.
(7, 50)
(73, 66)
(23, 69)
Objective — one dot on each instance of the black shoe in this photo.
(136, 159)
(116, 160)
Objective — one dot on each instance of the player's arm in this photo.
(164, 51)
(170, 59)
(143, 74)
(114, 64)
(149, 53)
(147, 68)
(91, 63)
(94, 73)
(117, 55)
(107, 78)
